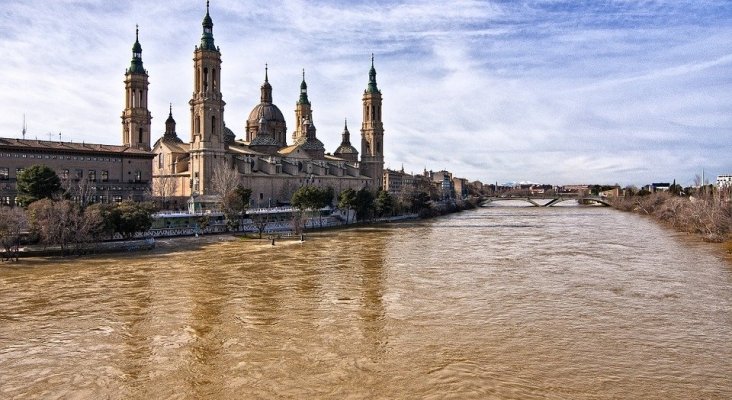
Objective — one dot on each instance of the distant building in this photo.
(614, 192)
(579, 189)
(460, 187)
(109, 173)
(724, 180)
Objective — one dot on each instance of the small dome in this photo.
(346, 149)
(268, 111)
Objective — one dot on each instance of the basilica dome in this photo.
(270, 115)
(269, 111)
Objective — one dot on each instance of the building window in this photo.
(105, 176)
(19, 171)
(79, 173)
(117, 199)
(65, 174)
(4, 174)
(92, 175)
(138, 176)
(160, 161)
(140, 136)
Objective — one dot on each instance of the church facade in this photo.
(262, 159)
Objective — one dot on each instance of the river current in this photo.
(496, 303)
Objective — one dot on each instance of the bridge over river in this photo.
(547, 200)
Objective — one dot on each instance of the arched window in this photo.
(197, 127)
(205, 79)
(139, 140)
(213, 125)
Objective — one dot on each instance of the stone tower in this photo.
(207, 111)
(136, 117)
(303, 111)
(372, 132)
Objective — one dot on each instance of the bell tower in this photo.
(136, 117)
(303, 111)
(207, 111)
(372, 132)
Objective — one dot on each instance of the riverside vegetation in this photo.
(706, 211)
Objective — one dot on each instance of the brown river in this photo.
(496, 303)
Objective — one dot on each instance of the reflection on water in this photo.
(505, 303)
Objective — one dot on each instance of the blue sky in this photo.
(562, 92)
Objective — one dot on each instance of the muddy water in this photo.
(504, 303)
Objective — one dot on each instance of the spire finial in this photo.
(303, 74)
(206, 6)
(372, 60)
(345, 123)
(266, 75)
(171, 110)
(137, 32)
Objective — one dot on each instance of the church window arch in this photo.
(205, 79)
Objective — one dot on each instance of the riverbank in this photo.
(190, 242)
(708, 216)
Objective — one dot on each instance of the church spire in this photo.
(207, 39)
(303, 90)
(345, 136)
(170, 124)
(266, 87)
(372, 88)
(136, 64)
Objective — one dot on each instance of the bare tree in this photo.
(260, 221)
(233, 197)
(13, 222)
(82, 191)
(225, 179)
(65, 224)
(164, 186)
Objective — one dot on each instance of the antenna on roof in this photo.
(59, 136)
(24, 127)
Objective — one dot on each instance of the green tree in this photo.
(37, 182)
(130, 218)
(347, 201)
(234, 203)
(310, 199)
(364, 204)
(107, 225)
(383, 204)
(420, 201)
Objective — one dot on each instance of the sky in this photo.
(554, 92)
